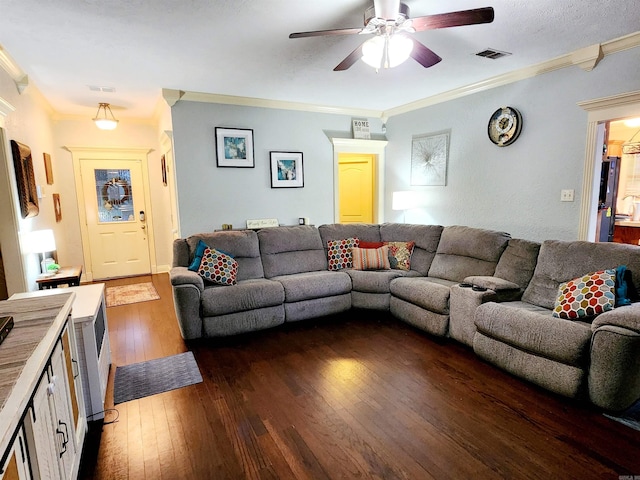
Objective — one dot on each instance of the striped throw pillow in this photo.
(371, 258)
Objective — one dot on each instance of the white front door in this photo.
(115, 217)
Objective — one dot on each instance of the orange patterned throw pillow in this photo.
(400, 254)
(371, 258)
(586, 296)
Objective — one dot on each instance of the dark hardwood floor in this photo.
(357, 396)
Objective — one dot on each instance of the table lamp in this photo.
(42, 241)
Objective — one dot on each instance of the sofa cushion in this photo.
(426, 238)
(586, 296)
(423, 292)
(367, 232)
(218, 267)
(376, 281)
(339, 253)
(371, 258)
(400, 254)
(245, 295)
(309, 285)
(197, 256)
(289, 250)
(241, 244)
(533, 329)
(560, 261)
(518, 261)
(466, 251)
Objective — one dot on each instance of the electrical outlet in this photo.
(566, 195)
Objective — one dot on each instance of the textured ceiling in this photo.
(241, 47)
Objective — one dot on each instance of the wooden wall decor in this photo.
(56, 207)
(47, 168)
(25, 178)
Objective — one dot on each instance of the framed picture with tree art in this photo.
(56, 207)
(23, 166)
(429, 157)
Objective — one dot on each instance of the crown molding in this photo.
(9, 65)
(611, 101)
(585, 58)
(277, 104)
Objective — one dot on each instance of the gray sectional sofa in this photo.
(479, 287)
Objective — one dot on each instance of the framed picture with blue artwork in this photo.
(234, 147)
(286, 170)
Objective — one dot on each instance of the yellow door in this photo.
(356, 187)
(116, 222)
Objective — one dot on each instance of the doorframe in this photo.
(615, 107)
(106, 153)
(371, 147)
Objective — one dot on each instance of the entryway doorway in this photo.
(115, 212)
(358, 180)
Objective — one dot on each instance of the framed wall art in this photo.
(25, 178)
(47, 168)
(56, 207)
(429, 157)
(286, 170)
(163, 166)
(234, 147)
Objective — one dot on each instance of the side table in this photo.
(65, 276)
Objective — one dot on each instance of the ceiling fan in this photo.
(389, 21)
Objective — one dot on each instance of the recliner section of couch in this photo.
(461, 252)
(596, 358)
(214, 310)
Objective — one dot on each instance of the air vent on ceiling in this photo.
(96, 88)
(492, 54)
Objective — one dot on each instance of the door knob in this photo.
(143, 227)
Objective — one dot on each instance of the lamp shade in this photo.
(104, 119)
(383, 51)
(405, 200)
(40, 241)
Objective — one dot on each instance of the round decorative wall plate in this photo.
(504, 126)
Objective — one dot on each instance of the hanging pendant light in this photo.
(104, 120)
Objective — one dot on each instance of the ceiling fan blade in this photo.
(453, 19)
(352, 58)
(424, 56)
(323, 33)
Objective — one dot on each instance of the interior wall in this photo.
(514, 188)
(129, 134)
(30, 124)
(209, 196)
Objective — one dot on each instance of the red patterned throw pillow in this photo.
(218, 267)
(371, 258)
(400, 254)
(586, 296)
(339, 253)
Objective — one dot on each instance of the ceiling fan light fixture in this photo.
(104, 118)
(383, 51)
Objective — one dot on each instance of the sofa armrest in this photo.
(614, 370)
(496, 284)
(627, 317)
(184, 276)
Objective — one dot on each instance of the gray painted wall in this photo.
(515, 188)
(209, 196)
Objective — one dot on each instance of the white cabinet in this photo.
(16, 465)
(52, 425)
(42, 419)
